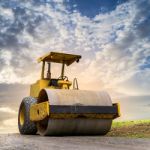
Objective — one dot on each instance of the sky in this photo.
(112, 36)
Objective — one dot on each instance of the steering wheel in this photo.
(63, 77)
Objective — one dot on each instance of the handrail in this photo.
(75, 84)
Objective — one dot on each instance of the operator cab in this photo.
(55, 57)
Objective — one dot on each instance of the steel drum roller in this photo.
(74, 126)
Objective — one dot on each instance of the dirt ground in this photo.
(27, 142)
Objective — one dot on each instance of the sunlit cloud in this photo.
(8, 121)
(7, 110)
(9, 126)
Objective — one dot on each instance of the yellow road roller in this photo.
(54, 109)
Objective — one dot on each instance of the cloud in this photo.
(7, 109)
(6, 12)
(119, 61)
(7, 113)
(114, 45)
(11, 96)
(140, 82)
(9, 126)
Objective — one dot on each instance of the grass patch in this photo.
(135, 129)
(129, 123)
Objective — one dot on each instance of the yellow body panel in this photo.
(43, 83)
(118, 107)
(36, 87)
(64, 84)
(39, 111)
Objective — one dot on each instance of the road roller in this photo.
(57, 107)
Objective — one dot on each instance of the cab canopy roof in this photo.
(56, 57)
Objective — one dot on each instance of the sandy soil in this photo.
(27, 142)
